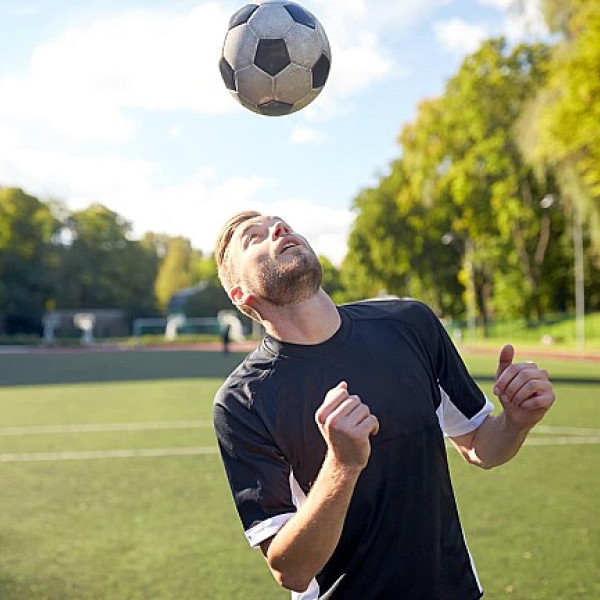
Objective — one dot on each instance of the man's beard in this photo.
(289, 281)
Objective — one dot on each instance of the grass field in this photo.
(111, 488)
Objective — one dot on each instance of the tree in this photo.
(377, 260)
(495, 192)
(459, 211)
(101, 267)
(332, 281)
(176, 271)
(562, 127)
(27, 230)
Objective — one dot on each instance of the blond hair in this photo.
(225, 268)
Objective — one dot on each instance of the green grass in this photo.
(532, 525)
(164, 528)
(561, 328)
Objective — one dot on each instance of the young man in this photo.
(332, 431)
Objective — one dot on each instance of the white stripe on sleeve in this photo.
(453, 422)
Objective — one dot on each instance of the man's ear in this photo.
(238, 296)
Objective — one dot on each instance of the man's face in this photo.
(273, 263)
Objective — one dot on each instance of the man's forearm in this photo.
(307, 541)
(495, 442)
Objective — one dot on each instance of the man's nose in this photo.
(279, 228)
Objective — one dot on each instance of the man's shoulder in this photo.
(241, 385)
(405, 309)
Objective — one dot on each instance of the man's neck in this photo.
(310, 321)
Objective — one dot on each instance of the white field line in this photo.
(546, 436)
(551, 430)
(164, 425)
(571, 440)
(103, 454)
(206, 450)
(102, 427)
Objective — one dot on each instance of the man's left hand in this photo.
(524, 390)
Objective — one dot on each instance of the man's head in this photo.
(260, 260)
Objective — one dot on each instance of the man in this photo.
(332, 431)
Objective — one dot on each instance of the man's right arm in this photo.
(306, 542)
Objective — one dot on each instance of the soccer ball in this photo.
(276, 57)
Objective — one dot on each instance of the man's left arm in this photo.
(526, 394)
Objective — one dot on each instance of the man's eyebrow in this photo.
(246, 226)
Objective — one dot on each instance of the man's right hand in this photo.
(347, 424)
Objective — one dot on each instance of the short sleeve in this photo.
(454, 422)
(463, 404)
(258, 475)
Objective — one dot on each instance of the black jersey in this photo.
(402, 538)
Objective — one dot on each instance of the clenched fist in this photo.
(347, 424)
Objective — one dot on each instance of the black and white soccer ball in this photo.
(276, 57)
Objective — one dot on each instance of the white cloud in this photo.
(305, 135)
(362, 54)
(499, 4)
(523, 18)
(83, 82)
(195, 208)
(9, 137)
(527, 22)
(346, 19)
(88, 81)
(355, 68)
(458, 36)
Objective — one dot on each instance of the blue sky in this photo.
(120, 102)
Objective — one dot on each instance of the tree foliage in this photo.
(459, 220)
(51, 258)
(566, 114)
(176, 270)
(27, 229)
(101, 267)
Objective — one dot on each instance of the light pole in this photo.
(546, 202)
(579, 276)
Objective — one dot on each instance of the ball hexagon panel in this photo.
(254, 85)
(304, 45)
(272, 56)
(240, 47)
(270, 21)
(301, 15)
(292, 83)
(242, 15)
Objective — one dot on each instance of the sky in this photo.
(120, 102)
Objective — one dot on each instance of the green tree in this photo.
(101, 267)
(177, 271)
(561, 129)
(460, 210)
(332, 281)
(205, 268)
(496, 193)
(378, 258)
(27, 253)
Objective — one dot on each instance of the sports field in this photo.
(111, 488)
